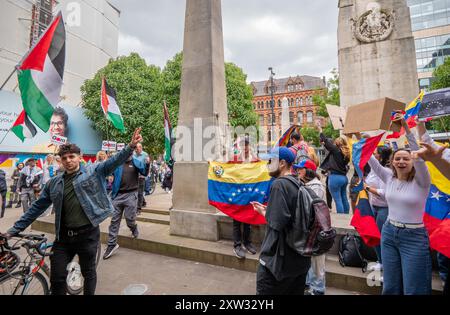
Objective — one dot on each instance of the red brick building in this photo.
(298, 91)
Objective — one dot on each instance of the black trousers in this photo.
(329, 197)
(239, 236)
(141, 200)
(64, 250)
(3, 204)
(266, 284)
(447, 285)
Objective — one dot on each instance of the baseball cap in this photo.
(306, 164)
(281, 153)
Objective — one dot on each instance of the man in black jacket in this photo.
(29, 181)
(282, 271)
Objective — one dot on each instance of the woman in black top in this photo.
(336, 164)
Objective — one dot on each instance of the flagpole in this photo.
(7, 133)
(8, 78)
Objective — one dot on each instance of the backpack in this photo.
(301, 155)
(311, 233)
(350, 252)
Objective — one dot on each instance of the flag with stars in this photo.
(437, 212)
(233, 186)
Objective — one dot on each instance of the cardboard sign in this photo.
(58, 140)
(435, 104)
(371, 116)
(120, 146)
(337, 115)
(109, 146)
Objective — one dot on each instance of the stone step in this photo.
(153, 218)
(155, 238)
(155, 211)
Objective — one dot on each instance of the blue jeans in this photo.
(317, 274)
(381, 215)
(338, 188)
(406, 261)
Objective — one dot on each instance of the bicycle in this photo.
(28, 280)
(36, 256)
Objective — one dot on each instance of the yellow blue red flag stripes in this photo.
(233, 186)
(437, 212)
(364, 221)
(361, 153)
(284, 140)
(411, 113)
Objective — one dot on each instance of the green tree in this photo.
(332, 98)
(441, 80)
(138, 92)
(311, 135)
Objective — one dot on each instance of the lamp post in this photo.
(272, 103)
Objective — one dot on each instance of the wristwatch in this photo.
(367, 188)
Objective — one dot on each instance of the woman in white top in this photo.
(306, 171)
(405, 247)
(375, 187)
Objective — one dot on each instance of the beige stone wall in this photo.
(386, 68)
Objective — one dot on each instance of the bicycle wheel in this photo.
(152, 188)
(17, 285)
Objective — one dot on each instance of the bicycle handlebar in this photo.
(35, 242)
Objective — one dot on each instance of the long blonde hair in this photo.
(342, 144)
(313, 156)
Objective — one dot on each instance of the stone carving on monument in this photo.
(375, 25)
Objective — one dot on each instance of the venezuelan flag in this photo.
(364, 221)
(437, 212)
(233, 186)
(285, 139)
(361, 153)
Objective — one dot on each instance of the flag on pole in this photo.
(23, 128)
(41, 72)
(110, 107)
(411, 113)
(285, 139)
(167, 135)
(361, 153)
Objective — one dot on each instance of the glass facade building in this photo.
(430, 21)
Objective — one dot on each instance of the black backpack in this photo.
(354, 253)
(311, 233)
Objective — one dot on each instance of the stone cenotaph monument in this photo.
(376, 51)
(203, 105)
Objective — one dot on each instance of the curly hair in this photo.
(69, 149)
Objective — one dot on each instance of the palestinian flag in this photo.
(23, 128)
(110, 107)
(167, 135)
(41, 74)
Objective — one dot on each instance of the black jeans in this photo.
(238, 236)
(3, 205)
(266, 284)
(447, 284)
(64, 250)
(141, 200)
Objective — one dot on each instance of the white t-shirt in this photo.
(406, 200)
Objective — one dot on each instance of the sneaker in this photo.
(250, 248)
(110, 251)
(135, 233)
(239, 252)
(19, 205)
(376, 267)
(315, 292)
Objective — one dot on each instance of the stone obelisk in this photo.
(376, 51)
(203, 104)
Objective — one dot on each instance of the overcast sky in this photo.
(295, 37)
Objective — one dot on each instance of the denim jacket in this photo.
(90, 188)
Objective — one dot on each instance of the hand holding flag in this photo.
(361, 153)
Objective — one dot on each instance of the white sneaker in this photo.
(375, 267)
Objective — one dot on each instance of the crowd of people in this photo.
(397, 181)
